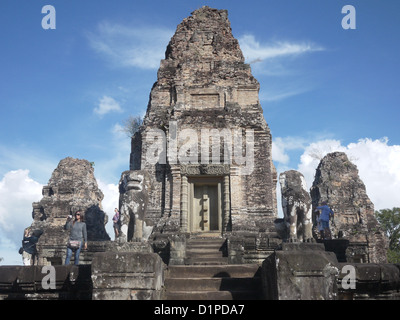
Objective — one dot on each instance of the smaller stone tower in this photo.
(337, 182)
(72, 187)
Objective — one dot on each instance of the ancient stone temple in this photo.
(72, 187)
(198, 205)
(337, 182)
(204, 146)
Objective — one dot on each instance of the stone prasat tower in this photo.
(337, 182)
(204, 145)
(72, 187)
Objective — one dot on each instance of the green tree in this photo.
(390, 222)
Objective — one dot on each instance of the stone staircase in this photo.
(206, 251)
(208, 276)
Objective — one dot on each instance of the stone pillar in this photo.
(184, 204)
(175, 194)
(227, 206)
(236, 204)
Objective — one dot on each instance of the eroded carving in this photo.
(134, 187)
(296, 205)
(205, 169)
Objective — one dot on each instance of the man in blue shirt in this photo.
(326, 213)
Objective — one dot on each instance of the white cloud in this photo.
(106, 105)
(254, 51)
(116, 160)
(18, 190)
(280, 146)
(313, 154)
(268, 95)
(279, 59)
(17, 193)
(378, 164)
(117, 130)
(39, 163)
(379, 167)
(124, 46)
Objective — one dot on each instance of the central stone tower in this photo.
(201, 162)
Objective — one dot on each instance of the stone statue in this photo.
(133, 188)
(296, 205)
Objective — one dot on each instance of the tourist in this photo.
(77, 237)
(116, 223)
(319, 225)
(326, 213)
(29, 246)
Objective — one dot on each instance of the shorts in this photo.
(324, 224)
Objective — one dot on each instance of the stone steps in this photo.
(205, 251)
(214, 271)
(211, 295)
(207, 275)
(198, 295)
(213, 282)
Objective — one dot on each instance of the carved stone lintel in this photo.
(205, 169)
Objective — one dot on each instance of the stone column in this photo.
(175, 194)
(226, 209)
(184, 204)
(236, 204)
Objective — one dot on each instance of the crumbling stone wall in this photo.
(41, 283)
(368, 281)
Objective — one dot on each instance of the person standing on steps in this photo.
(326, 213)
(77, 237)
(116, 223)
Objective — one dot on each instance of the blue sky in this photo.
(66, 92)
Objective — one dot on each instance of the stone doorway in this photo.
(205, 204)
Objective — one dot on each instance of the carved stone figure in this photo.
(134, 187)
(296, 205)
